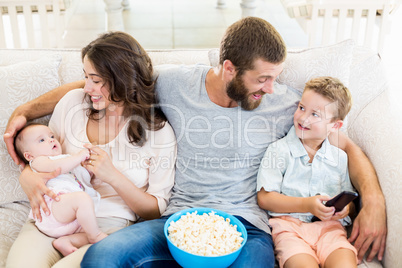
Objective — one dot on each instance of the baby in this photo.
(72, 220)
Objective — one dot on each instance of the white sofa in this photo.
(372, 124)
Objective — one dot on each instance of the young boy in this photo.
(72, 220)
(301, 171)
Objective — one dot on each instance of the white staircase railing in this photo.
(329, 21)
(34, 23)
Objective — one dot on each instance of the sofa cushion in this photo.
(367, 80)
(21, 82)
(303, 65)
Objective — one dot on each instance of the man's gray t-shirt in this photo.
(219, 149)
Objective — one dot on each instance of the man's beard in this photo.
(239, 93)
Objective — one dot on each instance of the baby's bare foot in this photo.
(64, 245)
(97, 238)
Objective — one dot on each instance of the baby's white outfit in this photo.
(76, 180)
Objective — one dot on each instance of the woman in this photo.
(133, 148)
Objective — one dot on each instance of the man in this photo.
(223, 121)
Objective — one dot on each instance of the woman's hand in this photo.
(142, 203)
(34, 186)
(318, 209)
(100, 164)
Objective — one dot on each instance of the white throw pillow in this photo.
(20, 83)
(301, 66)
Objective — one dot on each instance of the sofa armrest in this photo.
(378, 130)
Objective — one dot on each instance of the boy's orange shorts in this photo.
(318, 239)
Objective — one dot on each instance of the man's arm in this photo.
(370, 225)
(41, 106)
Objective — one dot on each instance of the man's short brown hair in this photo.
(332, 89)
(250, 39)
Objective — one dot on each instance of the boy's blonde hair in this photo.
(332, 89)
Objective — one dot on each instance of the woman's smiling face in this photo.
(95, 86)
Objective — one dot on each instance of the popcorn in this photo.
(205, 235)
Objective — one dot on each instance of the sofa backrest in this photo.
(28, 73)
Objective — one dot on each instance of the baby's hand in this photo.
(84, 154)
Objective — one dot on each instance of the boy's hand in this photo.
(15, 123)
(317, 208)
(341, 214)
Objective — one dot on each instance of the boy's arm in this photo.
(41, 106)
(276, 202)
(66, 164)
(370, 226)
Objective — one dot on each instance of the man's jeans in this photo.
(144, 245)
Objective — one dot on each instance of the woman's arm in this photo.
(142, 203)
(41, 106)
(370, 226)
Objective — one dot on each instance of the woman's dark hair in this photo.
(127, 70)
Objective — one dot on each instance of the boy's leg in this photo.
(333, 247)
(341, 258)
(140, 245)
(258, 250)
(294, 242)
(301, 260)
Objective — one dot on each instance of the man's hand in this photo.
(370, 228)
(34, 187)
(15, 123)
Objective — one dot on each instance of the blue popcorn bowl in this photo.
(186, 259)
